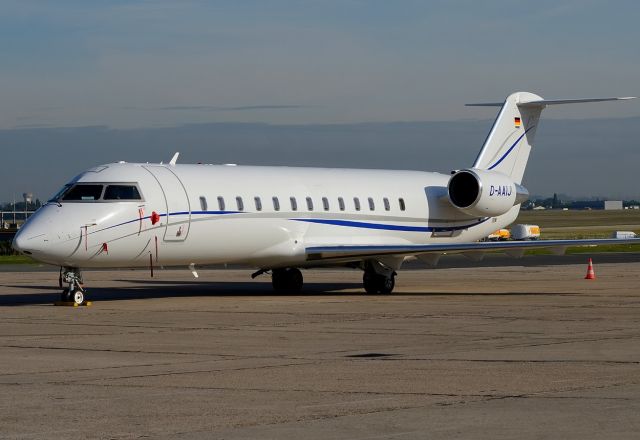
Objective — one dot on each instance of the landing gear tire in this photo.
(287, 280)
(369, 282)
(378, 284)
(73, 279)
(78, 297)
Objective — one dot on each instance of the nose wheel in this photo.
(74, 292)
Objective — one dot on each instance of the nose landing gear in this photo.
(72, 277)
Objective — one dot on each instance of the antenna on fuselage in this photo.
(174, 159)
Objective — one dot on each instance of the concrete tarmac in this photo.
(523, 352)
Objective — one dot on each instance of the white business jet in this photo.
(281, 219)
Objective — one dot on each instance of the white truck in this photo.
(525, 232)
(623, 234)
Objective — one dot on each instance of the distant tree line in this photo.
(6, 249)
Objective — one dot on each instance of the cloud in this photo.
(37, 125)
(211, 108)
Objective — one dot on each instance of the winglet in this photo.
(174, 159)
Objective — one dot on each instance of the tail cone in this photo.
(591, 275)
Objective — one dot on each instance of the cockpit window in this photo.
(83, 192)
(93, 192)
(122, 192)
(60, 193)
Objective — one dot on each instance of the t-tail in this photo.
(492, 187)
(508, 145)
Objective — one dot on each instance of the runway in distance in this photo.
(282, 219)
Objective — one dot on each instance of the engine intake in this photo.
(482, 193)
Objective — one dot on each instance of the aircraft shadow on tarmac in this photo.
(169, 289)
(185, 289)
(154, 288)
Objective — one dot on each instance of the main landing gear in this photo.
(378, 279)
(72, 278)
(287, 280)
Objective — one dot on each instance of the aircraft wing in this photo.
(477, 249)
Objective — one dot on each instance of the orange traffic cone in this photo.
(591, 275)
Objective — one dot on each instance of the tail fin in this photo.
(510, 140)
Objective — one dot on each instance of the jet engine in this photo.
(482, 193)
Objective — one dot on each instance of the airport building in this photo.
(611, 205)
(13, 215)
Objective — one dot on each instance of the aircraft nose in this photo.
(18, 242)
(28, 241)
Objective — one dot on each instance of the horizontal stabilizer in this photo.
(486, 104)
(543, 102)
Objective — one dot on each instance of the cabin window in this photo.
(309, 204)
(83, 192)
(294, 203)
(221, 205)
(122, 192)
(341, 203)
(203, 203)
(240, 203)
(372, 205)
(356, 203)
(401, 203)
(276, 204)
(325, 203)
(387, 206)
(258, 203)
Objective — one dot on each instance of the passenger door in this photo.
(178, 209)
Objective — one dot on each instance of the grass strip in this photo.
(16, 259)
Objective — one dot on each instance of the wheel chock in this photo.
(72, 303)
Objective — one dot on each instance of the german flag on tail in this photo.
(517, 122)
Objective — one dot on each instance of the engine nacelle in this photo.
(482, 193)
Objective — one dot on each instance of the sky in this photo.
(138, 66)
